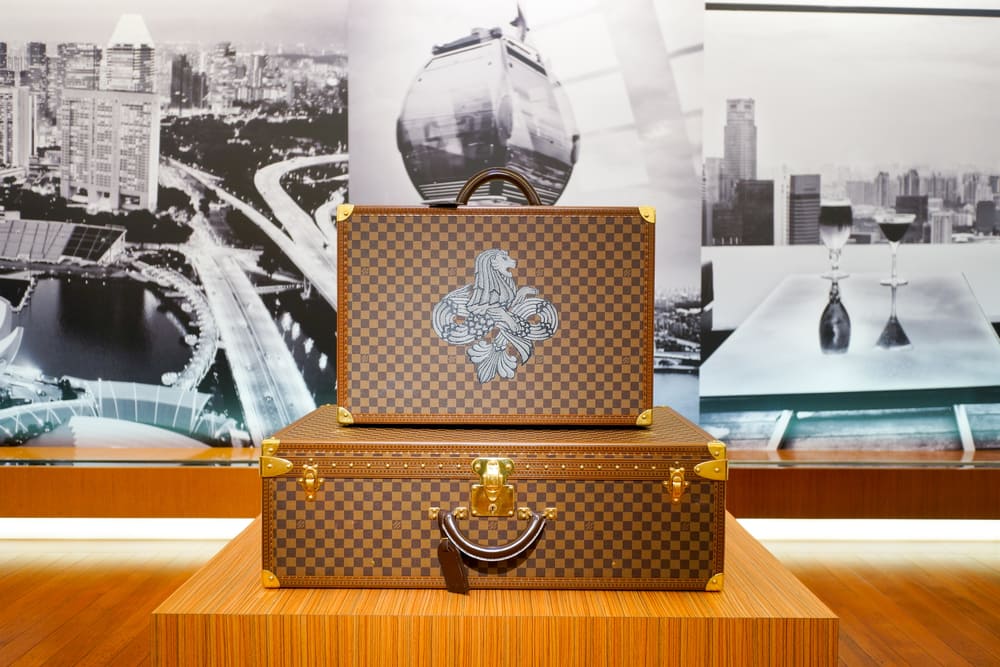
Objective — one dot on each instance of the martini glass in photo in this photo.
(894, 226)
(835, 219)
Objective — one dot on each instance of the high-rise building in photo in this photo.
(986, 217)
(739, 156)
(754, 205)
(222, 77)
(803, 209)
(181, 82)
(129, 60)
(76, 65)
(3, 55)
(79, 65)
(882, 195)
(711, 193)
(17, 126)
(110, 148)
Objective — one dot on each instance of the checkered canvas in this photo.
(376, 532)
(548, 318)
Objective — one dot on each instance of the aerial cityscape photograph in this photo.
(165, 205)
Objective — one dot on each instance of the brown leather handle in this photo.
(501, 173)
(521, 543)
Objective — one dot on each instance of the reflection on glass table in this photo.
(834, 324)
(893, 337)
(947, 357)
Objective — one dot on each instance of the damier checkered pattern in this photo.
(595, 269)
(608, 534)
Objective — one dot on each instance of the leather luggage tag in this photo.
(456, 576)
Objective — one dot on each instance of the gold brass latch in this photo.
(310, 481)
(493, 496)
(676, 484)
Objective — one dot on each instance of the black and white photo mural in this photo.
(167, 172)
(595, 102)
(850, 230)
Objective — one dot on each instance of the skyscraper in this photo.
(129, 58)
(803, 209)
(181, 82)
(17, 126)
(739, 156)
(755, 208)
(222, 77)
(111, 136)
(3, 55)
(986, 217)
(882, 196)
(712, 182)
(79, 65)
(110, 148)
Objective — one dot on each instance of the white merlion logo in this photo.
(501, 322)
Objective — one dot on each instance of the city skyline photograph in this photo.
(858, 91)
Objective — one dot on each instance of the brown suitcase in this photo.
(422, 507)
(527, 315)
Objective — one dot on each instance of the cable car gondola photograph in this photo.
(487, 100)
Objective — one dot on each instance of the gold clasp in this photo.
(493, 496)
(310, 481)
(676, 484)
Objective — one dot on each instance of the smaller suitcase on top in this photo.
(502, 315)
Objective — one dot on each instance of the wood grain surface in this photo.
(223, 616)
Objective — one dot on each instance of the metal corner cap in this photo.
(270, 446)
(344, 416)
(272, 466)
(715, 470)
(268, 580)
(648, 213)
(344, 211)
(645, 418)
(717, 449)
(716, 583)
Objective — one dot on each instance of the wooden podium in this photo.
(223, 616)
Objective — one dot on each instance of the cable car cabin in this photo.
(486, 100)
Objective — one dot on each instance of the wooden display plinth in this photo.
(223, 616)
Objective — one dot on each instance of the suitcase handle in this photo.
(521, 543)
(503, 174)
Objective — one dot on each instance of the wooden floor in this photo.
(89, 603)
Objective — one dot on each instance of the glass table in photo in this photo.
(840, 346)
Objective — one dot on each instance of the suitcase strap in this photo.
(455, 544)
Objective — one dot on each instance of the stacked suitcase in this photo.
(495, 427)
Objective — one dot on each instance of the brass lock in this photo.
(492, 496)
(310, 481)
(676, 484)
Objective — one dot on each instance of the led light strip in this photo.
(120, 529)
(874, 530)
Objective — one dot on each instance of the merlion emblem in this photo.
(500, 322)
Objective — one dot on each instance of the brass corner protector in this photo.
(716, 470)
(344, 211)
(645, 419)
(717, 449)
(648, 213)
(344, 416)
(272, 466)
(716, 583)
(270, 446)
(268, 580)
